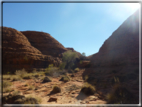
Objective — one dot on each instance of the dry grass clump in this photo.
(6, 77)
(65, 78)
(36, 75)
(120, 95)
(32, 100)
(26, 85)
(27, 77)
(16, 93)
(6, 90)
(31, 87)
(51, 71)
(76, 70)
(21, 73)
(16, 78)
(88, 89)
(55, 90)
(6, 84)
(20, 99)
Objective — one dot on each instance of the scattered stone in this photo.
(52, 99)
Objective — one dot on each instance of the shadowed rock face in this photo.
(45, 43)
(19, 53)
(118, 58)
(122, 45)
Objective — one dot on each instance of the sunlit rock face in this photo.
(45, 43)
(117, 61)
(18, 51)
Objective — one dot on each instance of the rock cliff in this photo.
(118, 58)
(20, 51)
(45, 43)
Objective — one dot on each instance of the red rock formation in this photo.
(118, 58)
(45, 43)
(18, 53)
(123, 44)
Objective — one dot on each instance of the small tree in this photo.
(83, 56)
(69, 58)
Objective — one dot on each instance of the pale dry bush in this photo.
(21, 73)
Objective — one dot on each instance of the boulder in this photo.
(52, 99)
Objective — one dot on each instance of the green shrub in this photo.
(62, 65)
(69, 58)
(88, 89)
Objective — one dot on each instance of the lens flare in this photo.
(133, 6)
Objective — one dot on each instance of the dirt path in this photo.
(69, 90)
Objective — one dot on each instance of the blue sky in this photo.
(82, 26)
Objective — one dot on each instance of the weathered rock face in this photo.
(118, 59)
(45, 43)
(19, 53)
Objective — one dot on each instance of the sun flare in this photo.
(133, 6)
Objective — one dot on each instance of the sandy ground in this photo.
(70, 91)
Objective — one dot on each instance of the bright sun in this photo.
(133, 6)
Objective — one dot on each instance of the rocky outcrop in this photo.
(45, 43)
(19, 53)
(117, 61)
